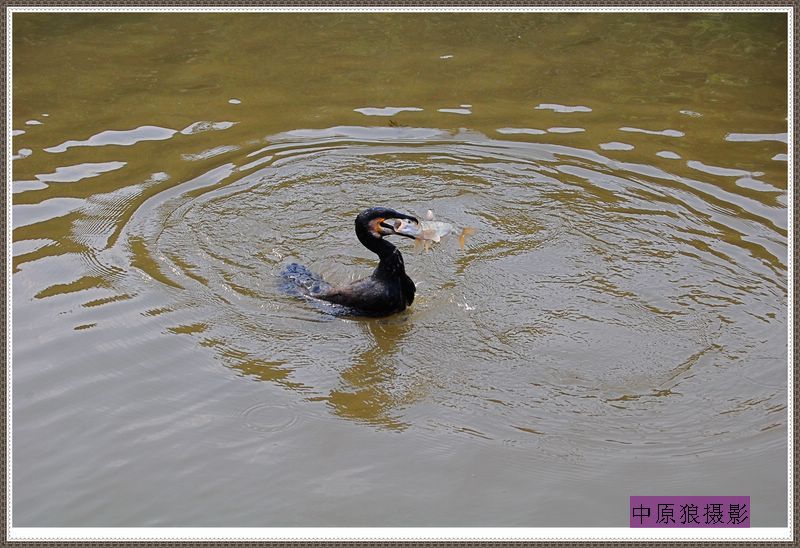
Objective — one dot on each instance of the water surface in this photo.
(616, 326)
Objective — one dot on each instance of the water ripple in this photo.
(385, 111)
(114, 137)
(563, 108)
(623, 285)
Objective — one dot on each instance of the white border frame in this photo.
(402, 533)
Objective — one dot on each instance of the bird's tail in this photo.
(300, 280)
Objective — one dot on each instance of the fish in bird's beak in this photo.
(408, 227)
(420, 230)
(424, 232)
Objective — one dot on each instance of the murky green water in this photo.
(617, 325)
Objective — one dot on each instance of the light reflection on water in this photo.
(620, 310)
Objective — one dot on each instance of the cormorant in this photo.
(388, 289)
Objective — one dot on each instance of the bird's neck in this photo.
(379, 246)
(391, 261)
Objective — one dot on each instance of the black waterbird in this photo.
(388, 289)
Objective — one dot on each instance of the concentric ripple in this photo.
(593, 293)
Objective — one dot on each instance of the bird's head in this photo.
(383, 221)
